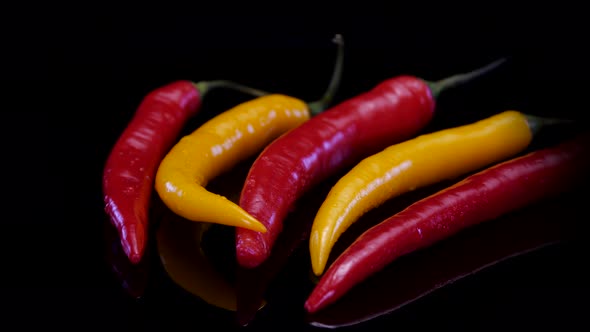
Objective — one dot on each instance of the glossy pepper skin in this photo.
(484, 196)
(393, 111)
(415, 163)
(222, 142)
(216, 147)
(129, 171)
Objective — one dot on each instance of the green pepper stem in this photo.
(318, 106)
(450, 82)
(537, 123)
(205, 86)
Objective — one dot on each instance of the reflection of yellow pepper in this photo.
(415, 163)
(179, 246)
(223, 142)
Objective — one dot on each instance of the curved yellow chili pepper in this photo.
(223, 142)
(422, 161)
(216, 147)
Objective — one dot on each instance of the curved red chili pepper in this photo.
(131, 165)
(394, 110)
(484, 196)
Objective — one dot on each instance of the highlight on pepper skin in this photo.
(131, 165)
(418, 162)
(223, 142)
(499, 189)
(216, 147)
(392, 111)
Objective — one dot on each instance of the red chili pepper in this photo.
(131, 165)
(484, 196)
(394, 110)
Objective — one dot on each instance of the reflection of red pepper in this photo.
(130, 168)
(132, 277)
(252, 284)
(483, 196)
(393, 111)
(539, 227)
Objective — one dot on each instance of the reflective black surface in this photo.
(75, 74)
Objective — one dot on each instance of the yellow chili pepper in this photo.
(216, 147)
(415, 163)
(224, 141)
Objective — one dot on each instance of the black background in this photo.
(73, 76)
